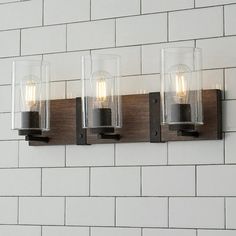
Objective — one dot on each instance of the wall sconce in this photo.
(181, 90)
(103, 116)
(30, 99)
(101, 112)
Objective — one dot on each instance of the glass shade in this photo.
(181, 87)
(30, 96)
(100, 91)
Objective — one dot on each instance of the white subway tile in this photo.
(5, 127)
(141, 154)
(197, 23)
(115, 181)
(200, 152)
(57, 90)
(168, 181)
(47, 156)
(196, 212)
(169, 232)
(9, 157)
(229, 115)
(230, 148)
(230, 213)
(218, 52)
(17, 230)
(140, 84)
(213, 79)
(6, 68)
(230, 19)
(151, 55)
(216, 232)
(22, 15)
(5, 98)
(89, 35)
(93, 155)
(43, 40)
(203, 3)
(141, 212)
(41, 210)
(20, 182)
(230, 83)
(140, 30)
(64, 230)
(149, 6)
(113, 8)
(65, 182)
(65, 66)
(100, 231)
(73, 89)
(8, 213)
(62, 11)
(130, 58)
(85, 211)
(10, 43)
(216, 180)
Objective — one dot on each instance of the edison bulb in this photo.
(180, 76)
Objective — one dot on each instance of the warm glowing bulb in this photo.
(101, 92)
(181, 92)
(30, 94)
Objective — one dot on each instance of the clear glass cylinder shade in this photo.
(181, 86)
(100, 91)
(30, 95)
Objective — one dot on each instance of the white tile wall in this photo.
(22, 15)
(8, 213)
(41, 210)
(140, 30)
(43, 40)
(149, 6)
(196, 212)
(20, 182)
(86, 211)
(113, 181)
(144, 212)
(139, 189)
(202, 152)
(230, 213)
(65, 182)
(93, 34)
(59, 11)
(169, 232)
(102, 231)
(17, 230)
(179, 181)
(112, 8)
(62, 231)
(216, 180)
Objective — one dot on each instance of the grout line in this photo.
(115, 22)
(18, 210)
(196, 187)
(41, 230)
(18, 154)
(41, 185)
(90, 10)
(167, 153)
(66, 37)
(65, 211)
(223, 20)
(64, 155)
(168, 212)
(224, 212)
(194, 3)
(224, 83)
(224, 152)
(115, 212)
(140, 6)
(168, 27)
(90, 181)
(115, 154)
(43, 10)
(141, 180)
(20, 42)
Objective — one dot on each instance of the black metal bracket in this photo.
(36, 138)
(109, 136)
(190, 133)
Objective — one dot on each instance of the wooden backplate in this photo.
(212, 118)
(141, 121)
(66, 127)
